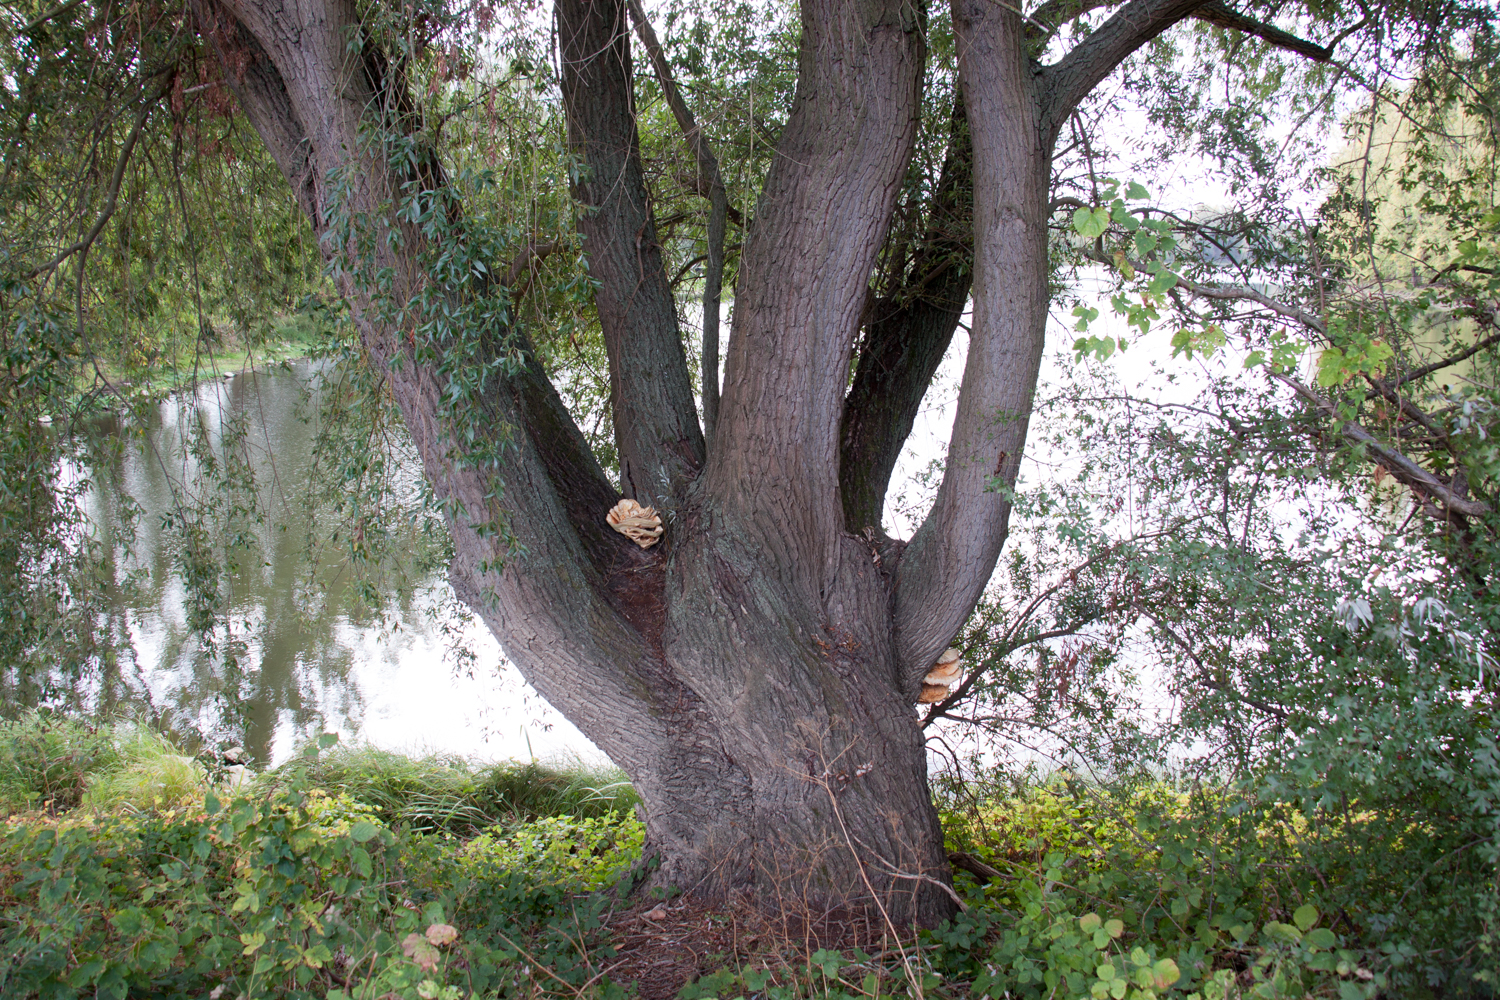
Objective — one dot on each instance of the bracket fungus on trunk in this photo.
(637, 523)
(943, 675)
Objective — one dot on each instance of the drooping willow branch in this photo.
(112, 197)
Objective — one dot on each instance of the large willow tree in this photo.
(755, 672)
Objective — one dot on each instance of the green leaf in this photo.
(1101, 348)
(1122, 215)
(1091, 223)
(85, 973)
(211, 803)
(1305, 916)
(1331, 367)
(1135, 192)
(1163, 281)
(363, 831)
(1089, 922)
(1282, 932)
(1320, 937)
(1115, 928)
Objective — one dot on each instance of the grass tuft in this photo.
(447, 792)
(46, 761)
(153, 775)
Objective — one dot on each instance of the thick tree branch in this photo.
(908, 333)
(1401, 468)
(1072, 78)
(262, 96)
(718, 199)
(525, 264)
(656, 423)
(1045, 21)
(1223, 16)
(949, 560)
(570, 599)
(695, 183)
(804, 279)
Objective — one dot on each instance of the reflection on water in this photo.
(387, 655)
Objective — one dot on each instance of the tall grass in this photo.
(450, 793)
(152, 775)
(56, 763)
(46, 760)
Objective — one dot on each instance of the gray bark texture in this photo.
(755, 672)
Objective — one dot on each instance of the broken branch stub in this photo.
(637, 523)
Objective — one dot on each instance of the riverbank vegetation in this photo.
(130, 869)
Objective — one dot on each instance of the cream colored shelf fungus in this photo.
(943, 675)
(637, 523)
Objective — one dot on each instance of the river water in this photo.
(390, 658)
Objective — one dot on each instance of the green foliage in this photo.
(1329, 672)
(286, 893)
(584, 854)
(1226, 882)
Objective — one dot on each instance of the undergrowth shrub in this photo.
(584, 854)
(280, 892)
(1244, 893)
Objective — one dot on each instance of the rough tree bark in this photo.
(754, 673)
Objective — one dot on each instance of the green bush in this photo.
(1248, 894)
(286, 893)
(584, 854)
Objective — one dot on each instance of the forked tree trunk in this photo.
(754, 673)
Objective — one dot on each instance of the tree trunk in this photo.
(755, 672)
(743, 673)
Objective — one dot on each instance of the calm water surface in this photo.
(314, 657)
